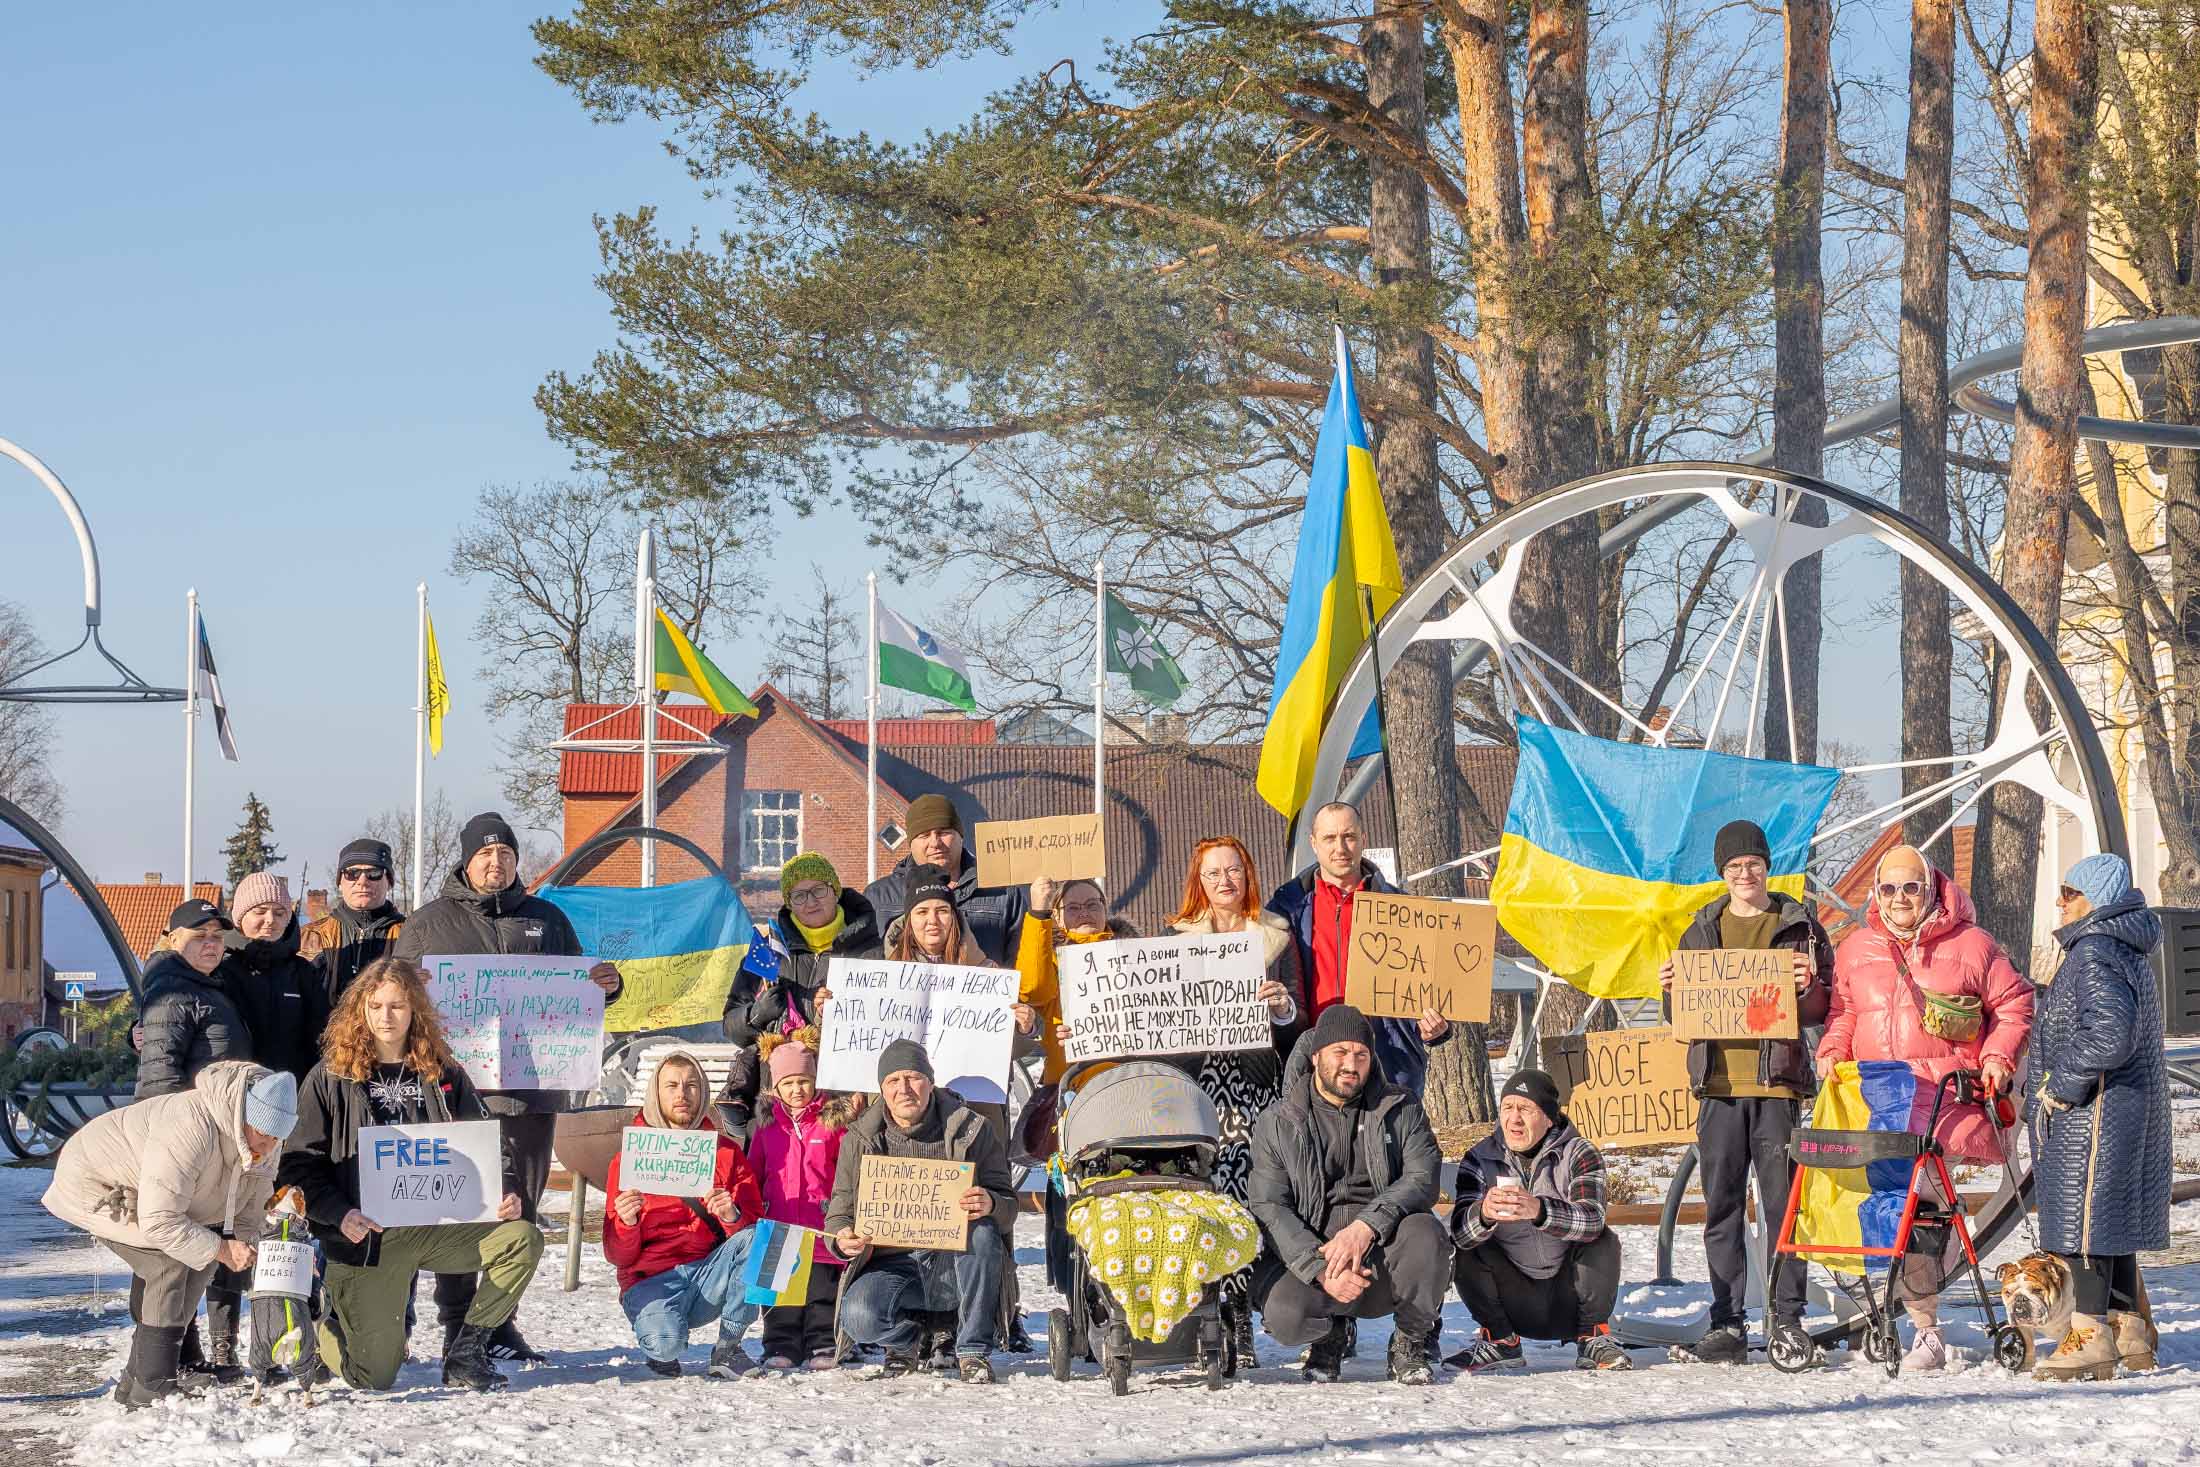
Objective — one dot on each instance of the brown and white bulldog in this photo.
(2036, 1295)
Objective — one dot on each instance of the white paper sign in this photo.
(1164, 995)
(422, 1176)
(667, 1163)
(960, 1015)
(281, 1267)
(521, 1022)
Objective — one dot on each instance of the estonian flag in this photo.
(210, 688)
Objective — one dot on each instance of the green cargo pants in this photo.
(368, 1304)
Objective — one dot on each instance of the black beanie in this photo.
(929, 884)
(365, 851)
(487, 829)
(1740, 838)
(1341, 1023)
(903, 1054)
(1536, 1086)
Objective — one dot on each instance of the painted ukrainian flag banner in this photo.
(1344, 543)
(677, 947)
(1607, 850)
(1861, 1207)
(778, 1270)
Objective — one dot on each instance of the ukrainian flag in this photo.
(1861, 1207)
(1607, 850)
(1344, 544)
(677, 947)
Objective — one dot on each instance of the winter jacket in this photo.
(964, 1136)
(759, 1002)
(191, 1019)
(286, 1001)
(1874, 1016)
(2103, 1166)
(1399, 1047)
(1784, 1062)
(675, 1230)
(171, 1173)
(321, 1158)
(463, 921)
(1564, 1169)
(344, 942)
(1287, 1191)
(1039, 980)
(992, 915)
(796, 1159)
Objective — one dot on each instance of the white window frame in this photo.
(753, 840)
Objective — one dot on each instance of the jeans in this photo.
(884, 1305)
(1411, 1272)
(664, 1307)
(1735, 1136)
(1566, 1306)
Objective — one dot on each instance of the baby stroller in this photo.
(1922, 1214)
(1140, 1127)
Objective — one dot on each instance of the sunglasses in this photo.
(1901, 888)
(2070, 894)
(362, 873)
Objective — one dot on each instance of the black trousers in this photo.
(1569, 1304)
(799, 1331)
(2100, 1282)
(1410, 1274)
(1735, 1136)
(528, 1138)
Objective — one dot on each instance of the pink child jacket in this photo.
(1874, 1015)
(794, 1159)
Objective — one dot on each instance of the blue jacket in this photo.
(1398, 1046)
(2103, 1165)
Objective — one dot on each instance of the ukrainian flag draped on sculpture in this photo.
(677, 947)
(1607, 850)
(1344, 544)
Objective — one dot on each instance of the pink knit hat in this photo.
(257, 890)
(792, 1059)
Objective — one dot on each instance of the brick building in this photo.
(22, 940)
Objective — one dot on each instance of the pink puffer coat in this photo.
(1876, 1017)
(796, 1159)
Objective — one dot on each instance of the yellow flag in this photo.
(439, 693)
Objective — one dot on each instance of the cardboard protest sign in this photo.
(420, 1176)
(1415, 953)
(1019, 852)
(1734, 993)
(1166, 995)
(1625, 1088)
(960, 1015)
(667, 1163)
(912, 1202)
(521, 1022)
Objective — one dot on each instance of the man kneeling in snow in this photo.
(1535, 1257)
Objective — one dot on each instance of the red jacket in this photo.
(1332, 924)
(669, 1233)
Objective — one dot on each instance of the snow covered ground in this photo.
(62, 1330)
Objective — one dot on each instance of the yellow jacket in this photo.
(1041, 981)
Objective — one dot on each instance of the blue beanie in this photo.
(2102, 880)
(271, 1105)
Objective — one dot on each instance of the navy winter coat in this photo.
(1399, 1047)
(2103, 1165)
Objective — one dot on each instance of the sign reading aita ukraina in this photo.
(1165, 995)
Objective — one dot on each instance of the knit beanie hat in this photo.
(928, 884)
(902, 1054)
(928, 813)
(271, 1105)
(365, 851)
(809, 866)
(2101, 880)
(257, 890)
(486, 829)
(1536, 1086)
(1739, 838)
(1341, 1023)
(792, 1058)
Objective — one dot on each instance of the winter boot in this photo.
(662, 1367)
(192, 1358)
(222, 1309)
(1597, 1350)
(1928, 1351)
(975, 1370)
(466, 1363)
(152, 1372)
(1726, 1344)
(1243, 1337)
(1325, 1357)
(2087, 1352)
(506, 1343)
(1409, 1357)
(2135, 1338)
(1488, 1352)
(728, 1361)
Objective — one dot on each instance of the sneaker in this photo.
(1409, 1359)
(506, 1343)
(975, 1370)
(940, 1357)
(1726, 1345)
(1019, 1338)
(1325, 1357)
(728, 1361)
(897, 1364)
(1597, 1350)
(662, 1367)
(1927, 1351)
(1789, 1346)
(1488, 1352)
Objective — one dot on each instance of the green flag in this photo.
(1133, 652)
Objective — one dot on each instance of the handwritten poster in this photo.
(1164, 995)
(1627, 1087)
(1734, 993)
(422, 1176)
(1416, 953)
(668, 1163)
(962, 1017)
(911, 1202)
(1019, 852)
(521, 1023)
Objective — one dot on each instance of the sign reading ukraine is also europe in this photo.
(521, 1022)
(424, 1176)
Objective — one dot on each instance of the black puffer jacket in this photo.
(992, 915)
(286, 1000)
(1782, 1062)
(191, 1019)
(758, 1005)
(2103, 1165)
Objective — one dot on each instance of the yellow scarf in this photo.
(820, 939)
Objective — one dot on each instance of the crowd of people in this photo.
(267, 1045)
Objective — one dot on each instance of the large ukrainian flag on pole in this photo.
(677, 947)
(1344, 544)
(1607, 850)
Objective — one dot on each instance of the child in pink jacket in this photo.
(794, 1152)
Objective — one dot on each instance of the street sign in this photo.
(73, 992)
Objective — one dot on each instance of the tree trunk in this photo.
(1799, 385)
(1424, 763)
(2051, 385)
(1928, 646)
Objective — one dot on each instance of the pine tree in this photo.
(252, 848)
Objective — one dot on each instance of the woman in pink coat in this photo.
(1920, 919)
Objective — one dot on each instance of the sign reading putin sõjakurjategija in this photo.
(1194, 994)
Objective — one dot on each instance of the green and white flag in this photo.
(911, 658)
(1134, 652)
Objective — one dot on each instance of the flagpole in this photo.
(870, 743)
(1099, 687)
(645, 680)
(1382, 718)
(420, 747)
(190, 726)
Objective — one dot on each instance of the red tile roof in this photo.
(141, 908)
(1855, 885)
(915, 730)
(592, 772)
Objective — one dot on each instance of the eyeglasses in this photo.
(362, 873)
(1901, 888)
(1227, 873)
